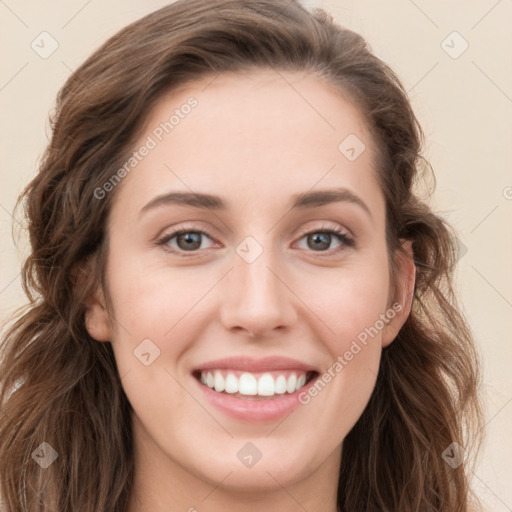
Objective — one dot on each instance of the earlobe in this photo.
(97, 319)
(90, 293)
(402, 303)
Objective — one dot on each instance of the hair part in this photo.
(60, 386)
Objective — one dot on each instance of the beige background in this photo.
(464, 104)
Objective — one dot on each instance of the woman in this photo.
(237, 300)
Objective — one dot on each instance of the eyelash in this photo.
(344, 238)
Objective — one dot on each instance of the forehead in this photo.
(258, 134)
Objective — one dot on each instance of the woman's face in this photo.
(254, 295)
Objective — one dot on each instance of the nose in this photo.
(257, 300)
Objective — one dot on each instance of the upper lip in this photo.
(266, 364)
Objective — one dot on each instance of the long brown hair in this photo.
(61, 387)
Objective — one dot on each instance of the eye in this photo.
(320, 239)
(187, 240)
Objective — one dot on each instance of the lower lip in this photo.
(264, 409)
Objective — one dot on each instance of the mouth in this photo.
(262, 385)
(254, 390)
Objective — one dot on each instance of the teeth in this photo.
(266, 385)
(301, 381)
(248, 384)
(291, 385)
(231, 383)
(280, 385)
(219, 382)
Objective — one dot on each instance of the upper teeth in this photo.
(249, 384)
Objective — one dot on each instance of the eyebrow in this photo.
(310, 199)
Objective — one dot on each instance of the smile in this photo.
(254, 390)
(246, 384)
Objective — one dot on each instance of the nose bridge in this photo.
(259, 282)
(257, 298)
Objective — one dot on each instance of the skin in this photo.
(256, 140)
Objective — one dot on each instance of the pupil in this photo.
(190, 238)
(321, 237)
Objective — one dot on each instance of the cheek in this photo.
(159, 312)
(156, 301)
(155, 312)
(353, 311)
(349, 303)
(351, 307)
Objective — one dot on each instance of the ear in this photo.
(97, 318)
(401, 303)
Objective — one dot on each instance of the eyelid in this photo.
(327, 227)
